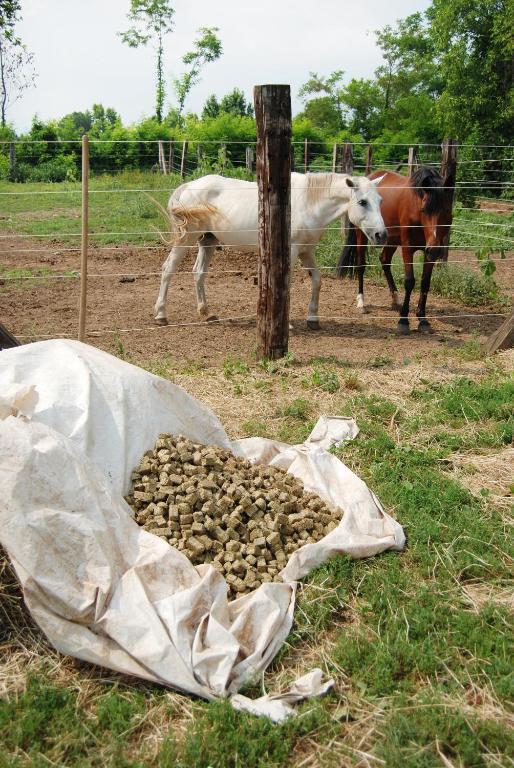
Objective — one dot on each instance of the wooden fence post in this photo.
(12, 162)
(369, 159)
(449, 174)
(348, 158)
(162, 159)
(84, 239)
(183, 160)
(502, 338)
(249, 159)
(334, 157)
(7, 339)
(273, 117)
(171, 155)
(305, 155)
(412, 162)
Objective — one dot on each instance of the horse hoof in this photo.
(212, 318)
(424, 327)
(395, 306)
(313, 325)
(161, 321)
(403, 329)
(363, 310)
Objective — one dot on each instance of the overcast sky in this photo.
(80, 59)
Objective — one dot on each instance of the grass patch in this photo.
(422, 672)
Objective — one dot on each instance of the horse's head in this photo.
(364, 208)
(435, 211)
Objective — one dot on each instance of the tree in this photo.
(475, 49)
(363, 99)
(329, 86)
(16, 62)
(234, 103)
(207, 48)
(151, 20)
(211, 108)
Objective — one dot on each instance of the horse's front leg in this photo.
(361, 251)
(170, 266)
(386, 258)
(309, 262)
(424, 326)
(408, 263)
(206, 250)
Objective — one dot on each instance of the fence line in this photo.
(485, 184)
(75, 274)
(217, 321)
(198, 231)
(246, 141)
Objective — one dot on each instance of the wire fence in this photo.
(477, 177)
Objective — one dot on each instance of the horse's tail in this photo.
(348, 258)
(182, 218)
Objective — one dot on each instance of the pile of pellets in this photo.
(246, 520)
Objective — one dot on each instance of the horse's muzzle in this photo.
(379, 237)
(434, 252)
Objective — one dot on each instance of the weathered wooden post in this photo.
(273, 116)
(171, 155)
(347, 158)
(249, 159)
(7, 339)
(12, 162)
(369, 159)
(183, 159)
(84, 238)
(334, 157)
(449, 174)
(413, 160)
(305, 155)
(162, 159)
(502, 338)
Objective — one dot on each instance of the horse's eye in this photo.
(363, 203)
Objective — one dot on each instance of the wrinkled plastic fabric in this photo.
(74, 422)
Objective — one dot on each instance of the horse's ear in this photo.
(350, 181)
(376, 182)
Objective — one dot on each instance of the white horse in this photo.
(214, 210)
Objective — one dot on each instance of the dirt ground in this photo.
(120, 314)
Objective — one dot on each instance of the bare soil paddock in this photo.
(33, 309)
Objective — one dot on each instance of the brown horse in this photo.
(417, 213)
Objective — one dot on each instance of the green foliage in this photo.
(207, 48)
(462, 283)
(151, 20)
(234, 367)
(324, 378)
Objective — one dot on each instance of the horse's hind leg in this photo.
(408, 263)
(424, 326)
(208, 244)
(309, 262)
(170, 266)
(386, 258)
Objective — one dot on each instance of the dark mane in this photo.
(430, 182)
